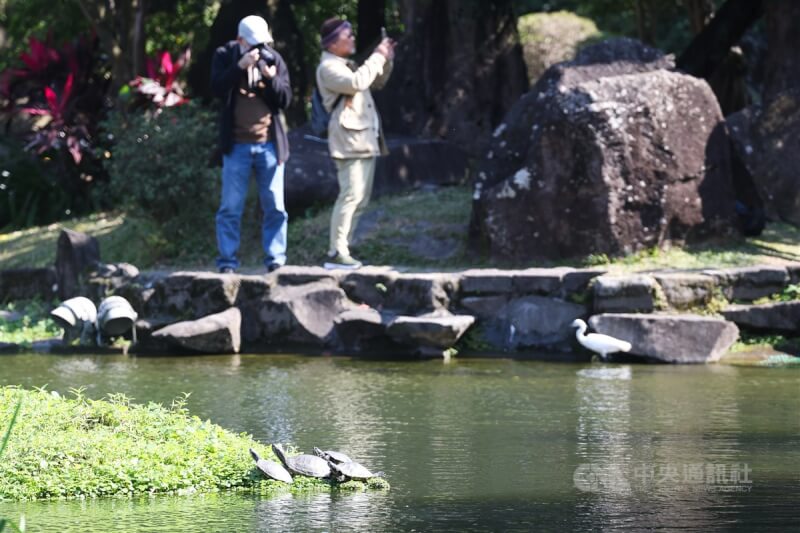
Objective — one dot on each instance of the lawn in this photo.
(421, 230)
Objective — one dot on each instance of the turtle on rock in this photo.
(271, 469)
(332, 456)
(304, 465)
(351, 470)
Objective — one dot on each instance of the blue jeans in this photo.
(236, 167)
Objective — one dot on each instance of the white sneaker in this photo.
(343, 262)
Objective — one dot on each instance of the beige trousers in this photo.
(355, 187)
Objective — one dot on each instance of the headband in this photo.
(333, 36)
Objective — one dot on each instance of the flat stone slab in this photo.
(309, 307)
(621, 294)
(212, 334)
(686, 289)
(433, 331)
(198, 293)
(750, 283)
(670, 338)
(778, 316)
(413, 294)
(539, 281)
(486, 281)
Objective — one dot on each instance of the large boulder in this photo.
(767, 139)
(610, 153)
(766, 135)
(670, 338)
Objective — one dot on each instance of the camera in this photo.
(265, 56)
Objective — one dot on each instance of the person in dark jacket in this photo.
(252, 81)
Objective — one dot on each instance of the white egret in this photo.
(597, 342)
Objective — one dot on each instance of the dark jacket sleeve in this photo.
(225, 72)
(278, 92)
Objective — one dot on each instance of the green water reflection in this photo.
(471, 445)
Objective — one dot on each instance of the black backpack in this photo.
(319, 115)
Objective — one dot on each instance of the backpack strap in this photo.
(336, 102)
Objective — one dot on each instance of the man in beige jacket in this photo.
(355, 136)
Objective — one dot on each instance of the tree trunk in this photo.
(371, 17)
(120, 28)
(700, 13)
(710, 47)
(289, 43)
(783, 59)
(458, 70)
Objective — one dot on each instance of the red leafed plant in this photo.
(51, 101)
(57, 133)
(62, 89)
(160, 87)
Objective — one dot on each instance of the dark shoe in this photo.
(227, 270)
(343, 262)
(272, 267)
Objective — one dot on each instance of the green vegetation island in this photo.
(77, 447)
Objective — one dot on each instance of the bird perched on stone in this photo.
(597, 342)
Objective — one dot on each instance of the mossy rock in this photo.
(549, 38)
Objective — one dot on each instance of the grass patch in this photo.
(26, 322)
(77, 447)
(748, 341)
(424, 230)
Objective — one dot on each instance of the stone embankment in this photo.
(668, 316)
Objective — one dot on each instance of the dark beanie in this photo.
(328, 32)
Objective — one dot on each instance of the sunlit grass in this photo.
(403, 231)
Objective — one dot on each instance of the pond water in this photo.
(469, 445)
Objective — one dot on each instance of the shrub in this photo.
(52, 102)
(29, 191)
(158, 168)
